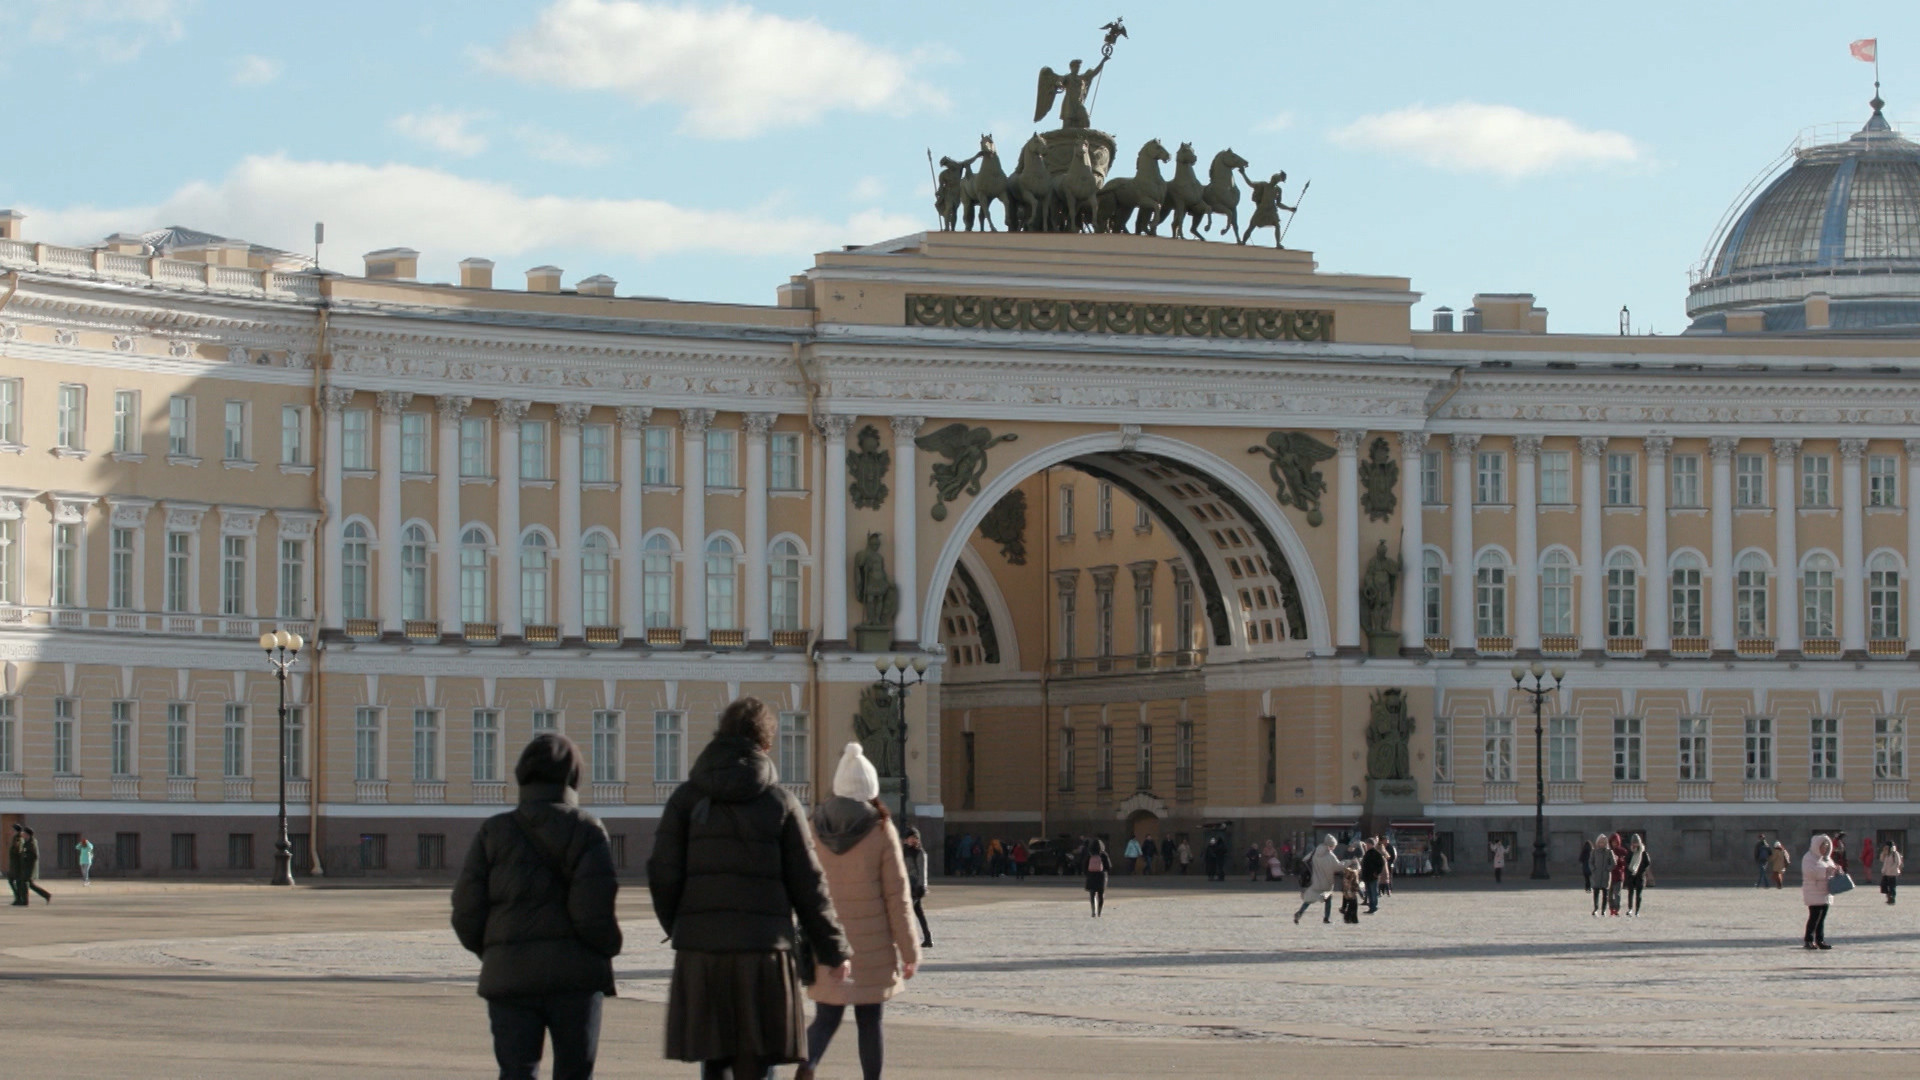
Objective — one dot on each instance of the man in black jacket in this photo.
(1373, 863)
(535, 901)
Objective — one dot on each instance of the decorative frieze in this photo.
(1120, 317)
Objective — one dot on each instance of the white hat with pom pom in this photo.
(856, 778)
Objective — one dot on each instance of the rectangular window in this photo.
(296, 742)
(1817, 600)
(658, 469)
(486, 745)
(1823, 751)
(1066, 513)
(606, 746)
(1563, 748)
(1430, 607)
(1627, 749)
(1066, 757)
(126, 851)
(1433, 478)
(234, 432)
(356, 439)
(1556, 477)
(9, 561)
(784, 460)
(596, 453)
(1142, 520)
(293, 579)
(233, 575)
(669, 747)
(180, 426)
(1883, 600)
(426, 745)
(126, 421)
(414, 443)
(9, 732)
(1490, 477)
(533, 450)
(179, 584)
(1069, 622)
(1620, 479)
(431, 849)
(475, 457)
(1750, 480)
(1889, 748)
(1883, 483)
(1103, 510)
(179, 740)
(293, 435)
(120, 739)
(1103, 622)
(1103, 777)
(1693, 748)
(1143, 759)
(1759, 748)
(10, 411)
(233, 741)
(1623, 601)
(1686, 594)
(1143, 624)
(1443, 749)
(792, 748)
(545, 720)
(1816, 480)
(1490, 599)
(1684, 480)
(239, 851)
(967, 770)
(1499, 750)
(120, 568)
(366, 743)
(1183, 754)
(373, 851)
(183, 848)
(720, 455)
(1183, 612)
(71, 418)
(66, 565)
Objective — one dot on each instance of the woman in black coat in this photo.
(1099, 865)
(732, 867)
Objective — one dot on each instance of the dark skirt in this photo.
(1096, 881)
(725, 1005)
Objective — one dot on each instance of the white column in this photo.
(1593, 574)
(1413, 550)
(566, 557)
(1526, 542)
(446, 524)
(1853, 552)
(332, 400)
(1721, 451)
(1786, 547)
(1659, 625)
(1908, 500)
(1461, 509)
(507, 538)
(633, 425)
(693, 522)
(906, 528)
(1346, 539)
(833, 559)
(758, 624)
(392, 404)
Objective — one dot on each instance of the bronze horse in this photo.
(1222, 196)
(1143, 192)
(980, 190)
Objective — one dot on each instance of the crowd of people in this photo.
(1361, 873)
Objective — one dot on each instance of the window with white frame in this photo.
(1889, 748)
(179, 740)
(1823, 751)
(296, 742)
(1443, 749)
(657, 469)
(722, 572)
(1183, 613)
(1883, 480)
(1183, 741)
(65, 714)
(1069, 616)
(1143, 642)
(126, 421)
(1883, 596)
(475, 589)
(1750, 480)
(1816, 596)
(1498, 740)
(66, 565)
(293, 579)
(356, 439)
(545, 720)
(1686, 595)
(535, 566)
(120, 569)
(1623, 596)
(1103, 766)
(120, 739)
(475, 456)
(720, 454)
(355, 560)
(1563, 748)
(178, 593)
(1620, 477)
(1103, 510)
(486, 745)
(656, 580)
(596, 453)
(10, 412)
(233, 432)
(1556, 477)
(533, 450)
(416, 443)
(784, 461)
(1066, 511)
(791, 748)
(426, 745)
(366, 744)
(9, 561)
(1683, 480)
(233, 575)
(596, 580)
(1142, 519)
(669, 747)
(1067, 756)
(413, 572)
(1490, 595)
(1816, 480)
(233, 741)
(293, 435)
(1103, 620)
(9, 733)
(1490, 477)
(1694, 749)
(1628, 750)
(1750, 595)
(1143, 758)
(71, 417)
(783, 585)
(1433, 477)
(1432, 615)
(1759, 748)
(180, 427)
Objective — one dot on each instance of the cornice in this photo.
(1702, 400)
(112, 309)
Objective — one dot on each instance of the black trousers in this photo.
(1890, 885)
(1817, 922)
(926, 932)
(866, 1018)
(521, 1024)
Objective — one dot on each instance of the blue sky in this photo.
(703, 151)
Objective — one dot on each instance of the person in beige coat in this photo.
(867, 879)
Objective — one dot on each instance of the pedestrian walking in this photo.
(1586, 864)
(83, 851)
(1323, 877)
(1184, 854)
(996, 858)
(1373, 864)
(1840, 851)
(1817, 868)
(1600, 871)
(733, 866)
(25, 863)
(1617, 879)
(1776, 865)
(1391, 858)
(1499, 852)
(1866, 859)
(1639, 872)
(1019, 857)
(1762, 855)
(1099, 865)
(867, 882)
(1891, 863)
(1350, 890)
(1133, 854)
(1254, 862)
(1148, 849)
(916, 857)
(535, 901)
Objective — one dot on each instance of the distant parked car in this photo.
(1050, 856)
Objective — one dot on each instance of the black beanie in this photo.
(551, 758)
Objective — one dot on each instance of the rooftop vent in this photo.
(393, 264)
(476, 273)
(543, 279)
(597, 285)
(1443, 320)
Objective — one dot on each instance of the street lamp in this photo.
(893, 676)
(282, 648)
(1538, 692)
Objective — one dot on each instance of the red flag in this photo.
(1866, 49)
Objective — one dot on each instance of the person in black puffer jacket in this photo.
(535, 901)
(733, 865)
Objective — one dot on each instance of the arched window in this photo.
(355, 554)
(534, 565)
(722, 612)
(473, 576)
(1431, 612)
(1623, 596)
(656, 579)
(1816, 596)
(596, 580)
(1556, 593)
(1685, 594)
(1883, 596)
(413, 573)
(1490, 595)
(783, 579)
(1750, 595)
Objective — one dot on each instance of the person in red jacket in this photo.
(1617, 877)
(1020, 857)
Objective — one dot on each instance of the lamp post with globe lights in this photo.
(282, 648)
(1538, 692)
(894, 676)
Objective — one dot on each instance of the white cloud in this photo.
(869, 189)
(1279, 121)
(735, 71)
(113, 30)
(255, 71)
(1497, 139)
(274, 200)
(442, 129)
(560, 149)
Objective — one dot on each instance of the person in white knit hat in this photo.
(867, 879)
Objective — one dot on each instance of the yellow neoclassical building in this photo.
(1165, 521)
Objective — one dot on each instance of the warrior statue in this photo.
(878, 728)
(1266, 205)
(1377, 587)
(1388, 731)
(879, 596)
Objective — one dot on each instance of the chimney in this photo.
(393, 264)
(597, 285)
(543, 279)
(476, 273)
(1470, 320)
(1511, 312)
(1443, 320)
(1818, 317)
(10, 224)
(1537, 320)
(796, 293)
